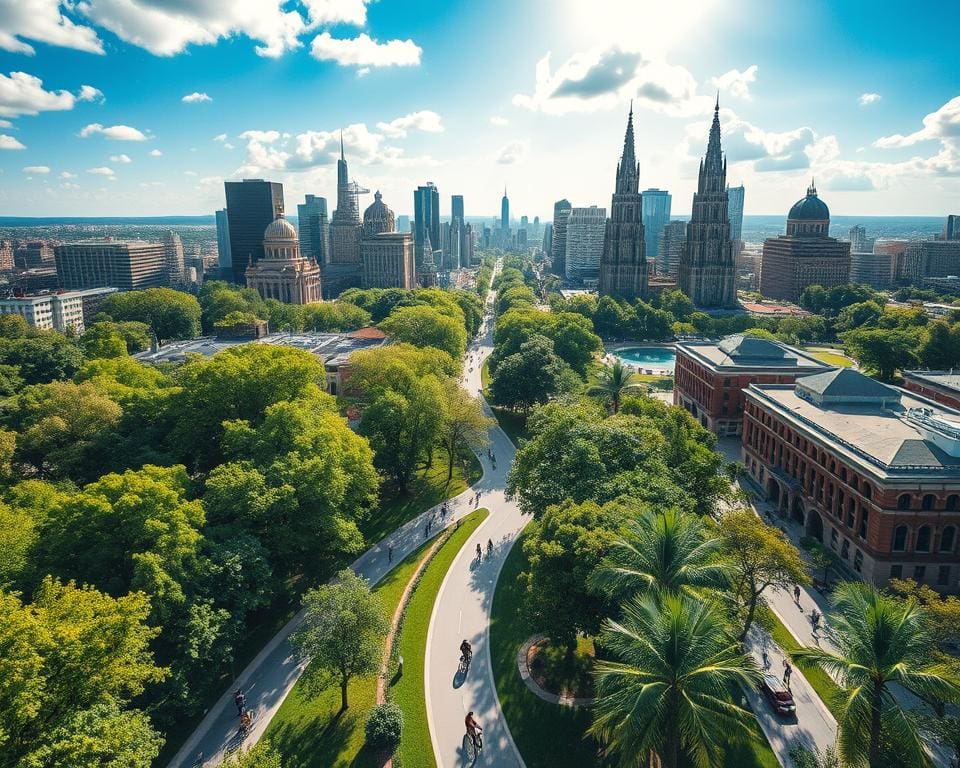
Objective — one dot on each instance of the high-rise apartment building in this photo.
(314, 227)
(6, 255)
(858, 239)
(806, 255)
(584, 244)
(34, 254)
(656, 215)
(505, 211)
(426, 221)
(670, 246)
(173, 256)
(127, 265)
(56, 311)
(252, 204)
(558, 244)
(224, 260)
(735, 197)
(623, 265)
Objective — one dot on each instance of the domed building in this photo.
(387, 255)
(806, 254)
(283, 274)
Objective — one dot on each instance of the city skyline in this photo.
(150, 119)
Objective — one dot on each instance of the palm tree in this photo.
(880, 640)
(614, 382)
(663, 553)
(671, 693)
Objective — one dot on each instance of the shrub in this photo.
(384, 726)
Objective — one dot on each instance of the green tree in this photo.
(940, 349)
(13, 327)
(760, 557)
(10, 381)
(218, 299)
(42, 357)
(532, 375)
(464, 423)
(103, 340)
(342, 633)
(662, 553)
(170, 314)
(882, 351)
(881, 641)
(424, 326)
(614, 382)
(261, 755)
(670, 692)
(857, 315)
(563, 547)
(332, 316)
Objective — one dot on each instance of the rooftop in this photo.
(943, 379)
(750, 352)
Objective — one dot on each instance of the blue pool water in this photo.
(659, 358)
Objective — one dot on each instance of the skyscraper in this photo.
(951, 228)
(707, 268)
(547, 239)
(252, 205)
(456, 207)
(670, 248)
(173, 258)
(656, 214)
(345, 226)
(735, 197)
(623, 265)
(558, 245)
(858, 239)
(314, 229)
(426, 220)
(223, 242)
(586, 230)
(505, 211)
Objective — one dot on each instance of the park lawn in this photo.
(830, 358)
(309, 732)
(548, 735)
(429, 488)
(416, 747)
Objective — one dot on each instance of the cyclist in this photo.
(473, 730)
(489, 547)
(466, 651)
(246, 719)
(479, 552)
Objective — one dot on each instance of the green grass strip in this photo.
(416, 748)
(819, 680)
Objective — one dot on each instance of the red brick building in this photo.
(942, 386)
(871, 471)
(710, 377)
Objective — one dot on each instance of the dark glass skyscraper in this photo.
(456, 207)
(252, 205)
(426, 215)
(314, 229)
(656, 215)
(505, 211)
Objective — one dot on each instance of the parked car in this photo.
(777, 694)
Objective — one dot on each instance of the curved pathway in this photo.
(462, 611)
(269, 678)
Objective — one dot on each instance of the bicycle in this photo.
(474, 743)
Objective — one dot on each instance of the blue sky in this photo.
(144, 107)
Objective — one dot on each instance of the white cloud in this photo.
(37, 169)
(114, 132)
(151, 184)
(603, 78)
(101, 171)
(69, 186)
(337, 12)
(364, 51)
(195, 98)
(189, 173)
(8, 142)
(67, 175)
(499, 121)
(735, 82)
(42, 21)
(943, 124)
(120, 159)
(89, 93)
(228, 145)
(424, 120)
(512, 152)
(23, 94)
(866, 99)
(156, 153)
(220, 137)
(6, 124)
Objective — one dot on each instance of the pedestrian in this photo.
(796, 593)
(239, 699)
(426, 531)
(766, 659)
(787, 672)
(390, 554)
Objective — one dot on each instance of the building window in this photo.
(946, 539)
(900, 538)
(867, 490)
(943, 575)
(833, 538)
(903, 502)
(952, 502)
(896, 571)
(845, 549)
(927, 503)
(923, 539)
(857, 560)
(864, 522)
(919, 572)
(843, 474)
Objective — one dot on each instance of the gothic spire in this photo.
(628, 171)
(714, 158)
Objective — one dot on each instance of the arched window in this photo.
(947, 538)
(903, 501)
(923, 539)
(953, 501)
(900, 538)
(867, 490)
(928, 501)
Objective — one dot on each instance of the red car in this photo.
(777, 694)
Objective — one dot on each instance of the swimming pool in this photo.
(660, 359)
